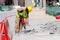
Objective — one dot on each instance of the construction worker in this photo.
(20, 16)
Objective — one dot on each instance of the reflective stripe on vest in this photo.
(17, 15)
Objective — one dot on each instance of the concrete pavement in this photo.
(36, 17)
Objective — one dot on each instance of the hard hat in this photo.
(29, 8)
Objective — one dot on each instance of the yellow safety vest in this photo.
(24, 14)
(17, 15)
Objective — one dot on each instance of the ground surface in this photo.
(36, 18)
